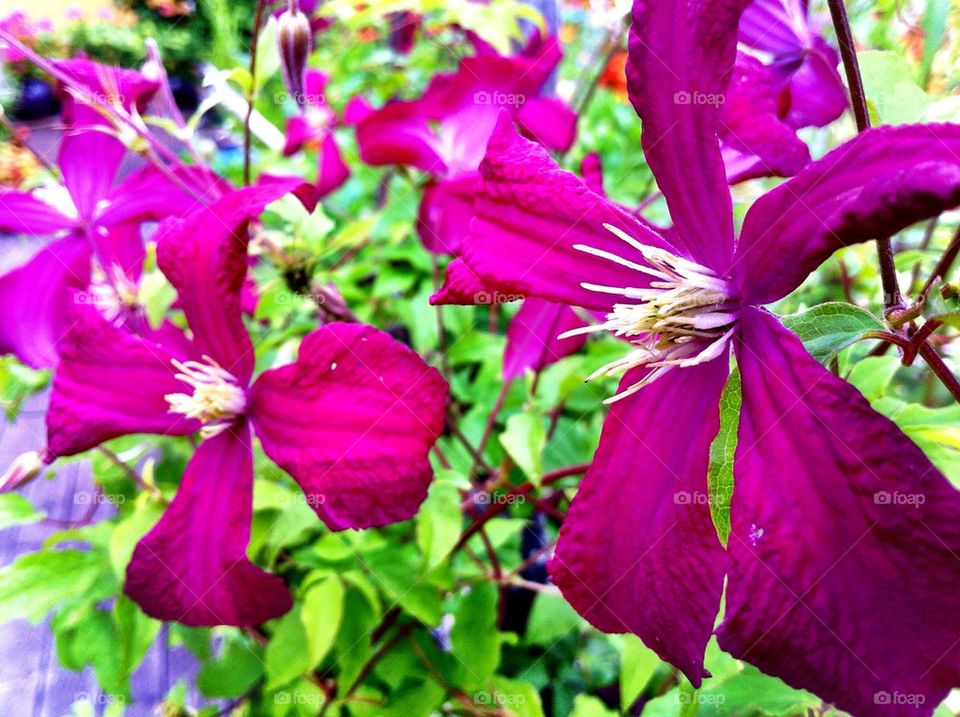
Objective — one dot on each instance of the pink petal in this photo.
(754, 141)
(681, 54)
(844, 540)
(352, 421)
(399, 134)
(150, 195)
(872, 186)
(774, 26)
(445, 212)
(529, 216)
(638, 551)
(332, 171)
(532, 341)
(36, 299)
(204, 255)
(25, 213)
(193, 567)
(299, 132)
(549, 121)
(591, 170)
(817, 94)
(110, 383)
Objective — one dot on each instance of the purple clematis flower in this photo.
(314, 130)
(445, 132)
(99, 217)
(830, 584)
(766, 103)
(803, 64)
(352, 420)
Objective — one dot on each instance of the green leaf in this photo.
(524, 441)
(873, 374)
(136, 632)
(515, 697)
(236, 670)
(288, 653)
(321, 614)
(637, 665)
(36, 583)
(831, 327)
(551, 618)
(722, 452)
(397, 572)
(475, 639)
(17, 510)
(585, 706)
(439, 519)
(890, 84)
(268, 54)
(934, 28)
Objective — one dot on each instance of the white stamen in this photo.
(216, 399)
(685, 317)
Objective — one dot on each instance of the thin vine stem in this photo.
(247, 135)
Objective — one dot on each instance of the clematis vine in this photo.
(96, 218)
(444, 132)
(313, 130)
(785, 78)
(814, 546)
(352, 420)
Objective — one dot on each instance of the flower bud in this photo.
(24, 468)
(295, 39)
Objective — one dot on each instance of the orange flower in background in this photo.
(614, 75)
(17, 165)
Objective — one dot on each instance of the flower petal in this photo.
(845, 553)
(150, 195)
(352, 421)
(681, 54)
(332, 171)
(299, 132)
(26, 213)
(532, 341)
(399, 134)
(445, 212)
(638, 551)
(754, 141)
(192, 567)
(777, 27)
(549, 121)
(36, 298)
(530, 215)
(878, 183)
(204, 255)
(817, 94)
(110, 383)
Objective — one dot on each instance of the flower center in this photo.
(114, 293)
(685, 317)
(217, 398)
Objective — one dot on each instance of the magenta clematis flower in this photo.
(803, 63)
(831, 583)
(98, 217)
(445, 132)
(352, 420)
(766, 103)
(314, 130)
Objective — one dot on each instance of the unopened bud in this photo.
(295, 39)
(24, 468)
